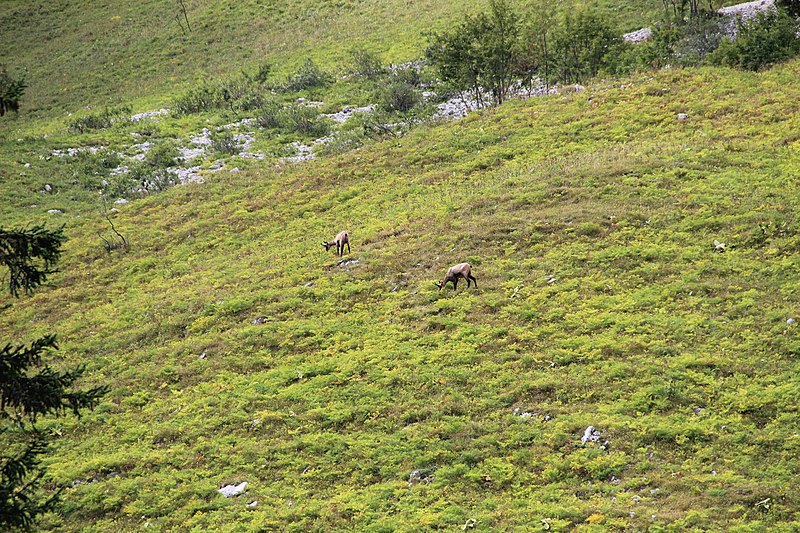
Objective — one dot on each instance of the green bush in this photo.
(583, 44)
(100, 120)
(303, 120)
(398, 96)
(163, 154)
(366, 64)
(765, 39)
(224, 142)
(294, 118)
(90, 168)
(203, 98)
(269, 115)
(307, 76)
(10, 91)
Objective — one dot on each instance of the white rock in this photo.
(252, 504)
(790, 321)
(590, 435)
(233, 490)
(682, 116)
(638, 35)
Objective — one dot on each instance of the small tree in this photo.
(28, 386)
(582, 45)
(481, 53)
(767, 38)
(10, 91)
(536, 58)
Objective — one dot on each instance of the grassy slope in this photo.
(681, 357)
(79, 53)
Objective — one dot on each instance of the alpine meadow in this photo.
(226, 239)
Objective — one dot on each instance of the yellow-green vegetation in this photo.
(635, 246)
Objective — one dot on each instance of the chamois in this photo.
(339, 241)
(461, 270)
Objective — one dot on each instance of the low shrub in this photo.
(366, 64)
(398, 96)
(768, 37)
(303, 120)
(100, 120)
(309, 75)
(224, 142)
(203, 98)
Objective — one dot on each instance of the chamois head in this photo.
(461, 270)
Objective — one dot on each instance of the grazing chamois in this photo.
(339, 241)
(461, 270)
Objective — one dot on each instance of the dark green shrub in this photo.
(583, 44)
(398, 96)
(699, 37)
(100, 120)
(203, 98)
(90, 168)
(269, 115)
(307, 76)
(248, 101)
(791, 6)
(162, 155)
(366, 64)
(303, 120)
(479, 54)
(767, 38)
(10, 91)
(224, 142)
(262, 74)
(408, 74)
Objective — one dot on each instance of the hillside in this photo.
(81, 53)
(354, 395)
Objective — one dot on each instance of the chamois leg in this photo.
(475, 281)
(455, 284)
(348, 247)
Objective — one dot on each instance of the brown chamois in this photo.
(461, 270)
(339, 241)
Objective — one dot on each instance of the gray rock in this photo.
(230, 491)
(590, 435)
(638, 35)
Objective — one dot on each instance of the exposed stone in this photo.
(233, 490)
(638, 35)
(149, 114)
(590, 435)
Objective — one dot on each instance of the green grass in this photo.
(238, 350)
(680, 356)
